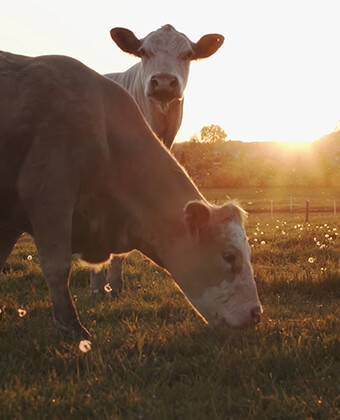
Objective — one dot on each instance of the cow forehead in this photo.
(166, 39)
(233, 234)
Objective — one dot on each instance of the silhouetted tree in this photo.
(213, 134)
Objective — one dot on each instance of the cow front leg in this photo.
(53, 240)
(98, 282)
(111, 275)
(8, 239)
(115, 274)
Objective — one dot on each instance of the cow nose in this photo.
(256, 314)
(164, 86)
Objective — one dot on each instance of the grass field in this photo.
(153, 358)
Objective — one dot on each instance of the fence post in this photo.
(271, 207)
(291, 204)
(307, 212)
(334, 208)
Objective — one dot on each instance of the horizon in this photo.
(274, 79)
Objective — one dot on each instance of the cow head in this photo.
(165, 56)
(214, 271)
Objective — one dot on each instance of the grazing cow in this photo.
(157, 83)
(83, 173)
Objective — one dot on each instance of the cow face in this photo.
(165, 56)
(218, 278)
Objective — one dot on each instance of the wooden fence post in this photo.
(334, 206)
(271, 207)
(307, 212)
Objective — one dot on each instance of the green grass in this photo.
(153, 358)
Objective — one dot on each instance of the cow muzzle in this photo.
(164, 88)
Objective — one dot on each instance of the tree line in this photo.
(214, 162)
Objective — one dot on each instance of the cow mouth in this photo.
(163, 104)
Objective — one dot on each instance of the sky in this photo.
(276, 77)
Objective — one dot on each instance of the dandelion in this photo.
(283, 232)
(263, 242)
(326, 235)
(318, 243)
(107, 288)
(85, 346)
(322, 246)
(311, 260)
(29, 257)
(22, 313)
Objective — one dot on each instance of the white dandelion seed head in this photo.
(85, 346)
(311, 260)
(107, 288)
(21, 312)
(29, 257)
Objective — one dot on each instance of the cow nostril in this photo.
(154, 82)
(256, 315)
(174, 82)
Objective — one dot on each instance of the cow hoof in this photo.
(73, 332)
(98, 294)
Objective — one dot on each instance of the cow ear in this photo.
(126, 40)
(197, 216)
(207, 46)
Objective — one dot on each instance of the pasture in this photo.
(152, 357)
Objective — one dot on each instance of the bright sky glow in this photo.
(277, 76)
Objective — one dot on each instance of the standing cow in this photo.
(83, 173)
(157, 84)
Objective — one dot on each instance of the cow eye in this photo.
(144, 53)
(187, 55)
(229, 258)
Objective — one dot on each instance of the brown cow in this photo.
(83, 173)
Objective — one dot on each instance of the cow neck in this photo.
(154, 190)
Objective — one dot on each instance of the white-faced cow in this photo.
(83, 173)
(157, 83)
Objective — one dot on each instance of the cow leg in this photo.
(115, 275)
(8, 239)
(52, 236)
(98, 281)
(112, 275)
